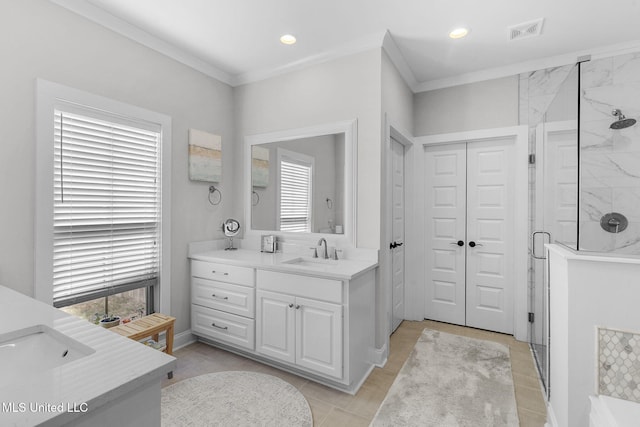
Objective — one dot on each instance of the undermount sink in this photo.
(36, 349)
(310, 262)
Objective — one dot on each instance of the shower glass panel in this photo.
(555, 216)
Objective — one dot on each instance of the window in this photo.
(106, 228)
(296, 181)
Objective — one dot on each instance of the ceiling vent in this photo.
(526, 29)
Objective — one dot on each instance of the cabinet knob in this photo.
(290, 305)
(297, 307)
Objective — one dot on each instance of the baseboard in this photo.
(183, 339)
(379, 356)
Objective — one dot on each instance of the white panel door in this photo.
(319, 336)
(445, 220)
(275, 325)
(397, 233)
(490, 225)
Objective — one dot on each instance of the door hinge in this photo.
(531, 317)
(532, 159)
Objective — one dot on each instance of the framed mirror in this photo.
(300, 182)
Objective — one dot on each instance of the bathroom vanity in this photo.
(309, 316)
(62, 370)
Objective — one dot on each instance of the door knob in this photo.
(459, 243)
(394, 245)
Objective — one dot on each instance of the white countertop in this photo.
(118, 365)
(343, 269)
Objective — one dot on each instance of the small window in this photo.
(296, 185)
(106, 207)
(101, 230)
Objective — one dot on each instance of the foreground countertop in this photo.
(118, 366)
(343, 269)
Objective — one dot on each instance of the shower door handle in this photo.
(533, 243)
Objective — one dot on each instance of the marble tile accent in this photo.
(610, 159)
(597, 73)
(619, 364)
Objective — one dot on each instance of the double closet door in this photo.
(469, 234)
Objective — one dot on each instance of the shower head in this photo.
(622, 121)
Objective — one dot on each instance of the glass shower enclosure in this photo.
(555, 205)
(585, 178)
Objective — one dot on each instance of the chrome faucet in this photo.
(326, 252)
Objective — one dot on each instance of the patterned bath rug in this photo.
(234, 398)
(450, 380)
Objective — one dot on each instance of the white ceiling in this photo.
(238, 40)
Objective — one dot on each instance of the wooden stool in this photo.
(149, 326)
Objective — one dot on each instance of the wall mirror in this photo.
(300, 182)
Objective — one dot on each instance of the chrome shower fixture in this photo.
(622, 121)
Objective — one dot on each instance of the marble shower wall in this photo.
(609, 159)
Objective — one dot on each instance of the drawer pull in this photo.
(220, 327)
(216, 296)
(224, 273)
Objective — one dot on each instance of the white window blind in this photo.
(295, 195)
(106, 207)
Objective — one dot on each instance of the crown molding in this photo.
(389, 45)
(528, 66)
(381, 40)
(351, 48)
(107, 20)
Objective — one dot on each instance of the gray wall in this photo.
(397, 97)
(397, 106)
(43, 40)
(344, 89)
(482, 105)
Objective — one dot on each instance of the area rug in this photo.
(234, 398)
(449, 380)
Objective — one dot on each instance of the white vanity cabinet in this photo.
(300, 330)
(223, 303)
(317, 322)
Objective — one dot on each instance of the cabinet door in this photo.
(275, 325)
(319, 336)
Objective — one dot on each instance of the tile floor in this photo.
(332, 408)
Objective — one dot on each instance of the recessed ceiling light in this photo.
(458, 33)
(287, 39)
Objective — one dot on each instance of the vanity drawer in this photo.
(298, 285)
(233, 299)
(222, 272)
(221, 326)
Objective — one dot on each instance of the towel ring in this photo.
(329, 203)
(255, 198)
(215, 196)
